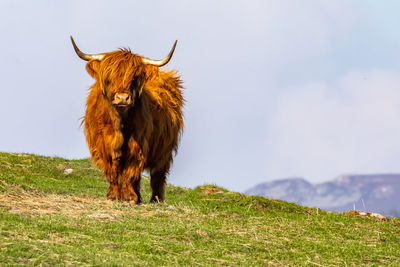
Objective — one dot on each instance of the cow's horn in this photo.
(162, 62)
(84, 56)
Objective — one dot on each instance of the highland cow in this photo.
(133, 120)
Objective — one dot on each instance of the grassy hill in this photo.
(49, 217)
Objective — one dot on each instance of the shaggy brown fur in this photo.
(123, 143)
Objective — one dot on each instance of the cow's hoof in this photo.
(128, 194)
(112, 192)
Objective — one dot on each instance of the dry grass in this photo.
(366, 214)
(210, 190)
(69, 206)
(36, 203)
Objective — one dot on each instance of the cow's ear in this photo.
(92, 67)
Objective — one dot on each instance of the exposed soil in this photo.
(69, 206)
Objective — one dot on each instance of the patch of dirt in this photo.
(366, 214)
(69, 206)
(19, 201)
(210, 190)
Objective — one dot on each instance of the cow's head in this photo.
(121, 75)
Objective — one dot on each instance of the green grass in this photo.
(49, 218)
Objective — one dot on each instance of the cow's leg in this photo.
(112, 192)
(128, 193)
(136, 188)
(129, 186)
(157, 181)
(131, 169)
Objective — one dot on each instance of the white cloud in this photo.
(321, 130)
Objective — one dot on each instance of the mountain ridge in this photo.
(370, 192)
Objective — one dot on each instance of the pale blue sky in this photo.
(274, 89)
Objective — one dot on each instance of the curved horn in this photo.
(162, 62)
(84, 56)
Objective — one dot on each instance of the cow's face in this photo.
(121, 75)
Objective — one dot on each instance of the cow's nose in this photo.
(122, 99)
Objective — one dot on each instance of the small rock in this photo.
(68, 171)
(366, 214)
(172, 207)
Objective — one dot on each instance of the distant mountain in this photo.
(375, 193)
